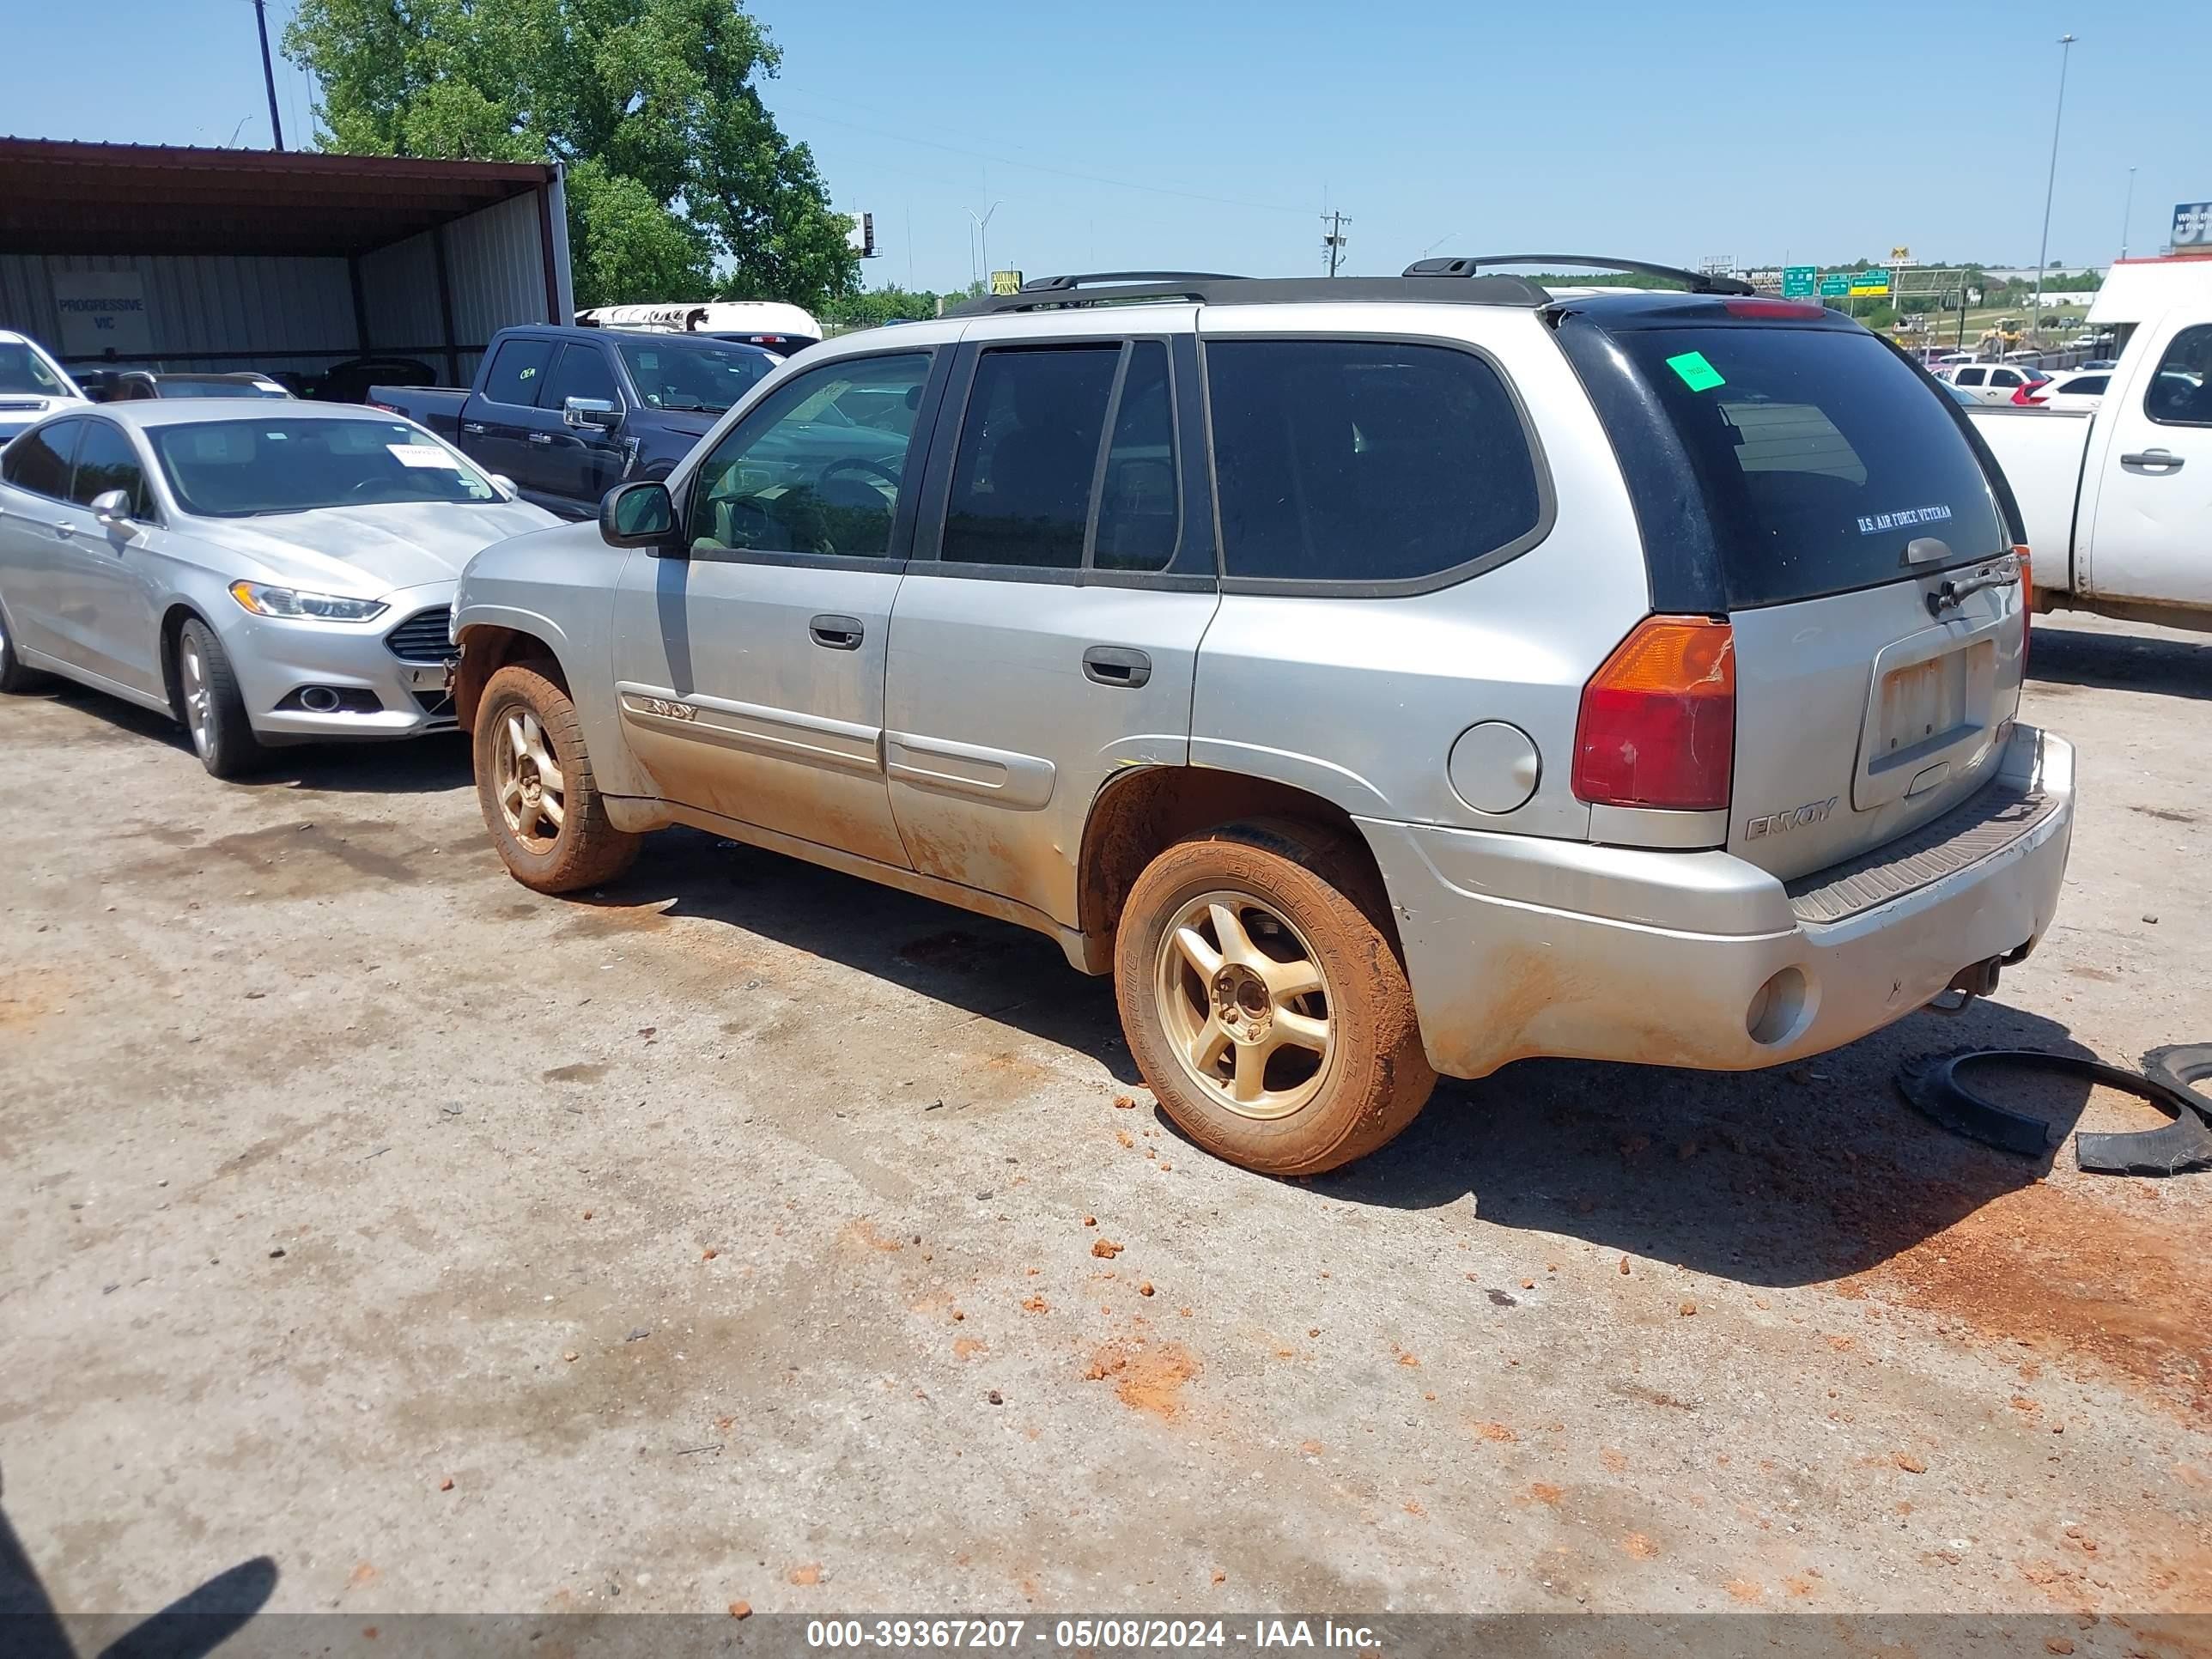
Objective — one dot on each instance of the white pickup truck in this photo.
(2118, 502)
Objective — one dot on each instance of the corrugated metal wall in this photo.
(200, 305)
(224, 312)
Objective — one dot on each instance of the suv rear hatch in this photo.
(1795, 476)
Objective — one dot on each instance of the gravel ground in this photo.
(741, 1233)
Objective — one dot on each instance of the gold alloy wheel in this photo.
(528, 779)
(1245, 1005)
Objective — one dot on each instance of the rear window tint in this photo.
(1365, 460)
(1821, 455)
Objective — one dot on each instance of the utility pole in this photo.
(2128, 214)
(268, 72)
(1333, 243)
(2058, 114)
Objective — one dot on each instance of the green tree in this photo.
(679, 180)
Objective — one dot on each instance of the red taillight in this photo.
(2026, 606)
(387, 408)
(2029, 396)
(1779, 311)
(1658, 720)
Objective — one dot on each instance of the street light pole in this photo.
(2058, 114)
(2128, 213)
(268, 74)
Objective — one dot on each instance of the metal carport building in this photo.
(158, 256)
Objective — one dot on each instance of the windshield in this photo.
(245, 469)
(1821, 456)
(22, 370)
(177, 386)
(677, 372)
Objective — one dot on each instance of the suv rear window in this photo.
(1821, 455)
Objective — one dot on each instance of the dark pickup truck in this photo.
(569, 413)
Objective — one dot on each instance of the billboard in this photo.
(2192, 226)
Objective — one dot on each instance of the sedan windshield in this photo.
(673, 371)
(244, 469)
(22, 370)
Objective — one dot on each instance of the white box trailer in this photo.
(160, 257)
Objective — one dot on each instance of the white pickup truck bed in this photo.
(2042, 452)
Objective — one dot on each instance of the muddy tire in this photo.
(14, 677)
(1264, 1000)
(534, 782)
(212, 706)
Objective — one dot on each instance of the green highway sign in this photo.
(1796, 282)
(1836, 287)
(1869, 282)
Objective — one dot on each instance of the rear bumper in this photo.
(1519, 945)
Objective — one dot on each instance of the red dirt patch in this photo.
(1147, 1375)
(2075, 1278)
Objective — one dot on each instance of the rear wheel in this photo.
(534, 783)
(214, 709)
(14, 677)
(1264, 1001)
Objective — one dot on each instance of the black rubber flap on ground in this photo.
(1932, 1085)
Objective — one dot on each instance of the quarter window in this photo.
(1141, 507)
(816, 466)
(1365, 460)
(1028, 453)
(105, 460)
(518, 370)
(2181, 390)
(40, 461)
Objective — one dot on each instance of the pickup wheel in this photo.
(1264, 1001)
(534, 782)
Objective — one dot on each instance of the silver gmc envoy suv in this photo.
(1377, 677)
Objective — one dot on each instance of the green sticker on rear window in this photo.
(1696, 373)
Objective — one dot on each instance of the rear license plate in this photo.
(1926, 702)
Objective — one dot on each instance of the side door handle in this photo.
(64, 529)
(475, 427)
(541, 437)
(837, 632)
(1117, 664)
(2161, 460)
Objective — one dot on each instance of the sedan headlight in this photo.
(266, 601)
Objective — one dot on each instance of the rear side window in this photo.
(2003, 377)
(106, 461)
(1970, 376)
(2181, 390)
(1365, 461)
(40, 461)
(1029, 448)
(2086, 386)
(518, 370)
(1820, 454)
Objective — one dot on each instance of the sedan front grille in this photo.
(421, 638)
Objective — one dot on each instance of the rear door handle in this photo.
(838, 633)
(541, 437)
(1117, 664)
(2163, 460)
(476, 427)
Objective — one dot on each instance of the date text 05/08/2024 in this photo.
(1073, 1635)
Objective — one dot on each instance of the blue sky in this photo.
(1209, 136)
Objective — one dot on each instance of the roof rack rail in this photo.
(1096, 287)
(1698, 282)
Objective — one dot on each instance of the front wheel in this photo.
(14, 677)
(212, 705)
(1264, 1001)
(534, 783)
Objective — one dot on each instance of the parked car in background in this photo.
(263, 576)
(2117, 491)
(1992, 383)
(32, 383)
(138, 385)
(2077, 392)
(781, 328)
(2100, 362)
(1378, 678)
(567, 413)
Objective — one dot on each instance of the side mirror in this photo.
(596, 412)
(637, 514)
(112, 508)
(505, 485)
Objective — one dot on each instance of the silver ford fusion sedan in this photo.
(265, 577)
